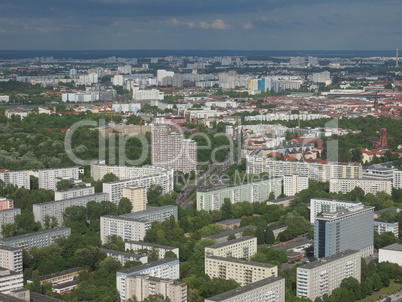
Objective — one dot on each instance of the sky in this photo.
(201, 24)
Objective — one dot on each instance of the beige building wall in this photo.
(243, 247)
(137, 196)
(243, 272)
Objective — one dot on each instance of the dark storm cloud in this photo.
(207, 24)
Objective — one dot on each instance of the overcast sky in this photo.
(201, 24)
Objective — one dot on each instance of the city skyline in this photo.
(271, 25)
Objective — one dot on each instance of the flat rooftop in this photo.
(57, 202)
(241, 261)
(152, 245)
(34, 234)
(229, 232)
(327, 260)
(106, 251)
(244, 289)
(138, 268)
(228, 221)
(230, 242)
(393, 247)
(61, 273)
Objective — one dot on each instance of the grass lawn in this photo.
(382, 293)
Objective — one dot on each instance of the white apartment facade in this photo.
(74, 193)
(266, 290)
(11, 258)
(243, 272)
(17, 178)
(142, 286)
(243, 247)
(167, 268)
(115, 188)
(372, 186)
(8, 217)
(324, 205)
(397, 179)
(47, 178)
(57, 208)
(322, 276)
(10, 280)
(127, 229)
(293, 184)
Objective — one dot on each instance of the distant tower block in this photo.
(397, 59)
(376, 105)
(383, 137)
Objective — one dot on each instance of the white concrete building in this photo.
(268, 289)
(397, 179)
(127, 229)
(80, 97)
(165, 268)
(124, 257)
(18, 178)
(243, 247)
(11, 258)
(372, 186)
(48, 178)
(322, 276)
(293, 184)
(74, 193)
(391, 253)
(4, 98)
(10, 280)
(153, 94)
(56, 208)
(324, 205)
(8, 217)
(381, 227)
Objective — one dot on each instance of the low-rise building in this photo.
(223, 237)
(11, 258)
(142, 286)
(382, 226)
(243, 272)
(124, 257)
(144, 247)
(285, 201)
(391, 253)
(38, 239)
(62, 276)
(322, 276)
(268, 289)
(167, 268)
(279, 229)
(243, 247)
(230, 223)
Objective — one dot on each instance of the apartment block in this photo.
(100, 169)
(243, 247)
(127, 229)
(48, 178)
(397, 179)
(74, 193)
(6, 203)
(167, 268)
(10, 280)
(17, 178)
(313, 170)
(382, 226)
(115, 188)
(322, 276)
(38, 239)
(8, 216)
(372, 186)
(269, 289)
(324, 205)
(171, 150)
(391, 253)
(258, 191)
(57, 208)
(379, 173)
(124, 257)
(142, 286)
(223, 237)
(243, 272)
(159, 214)
(11, 258)
(139, 247)
(137, 196)
(293, 184)
(347, 229)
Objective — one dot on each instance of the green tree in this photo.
(170, 254)
(110, 264)
(259, 233)
(63, 185)
(125, 206)
(153, 193)
(226, 209)
(231, 237)
(269, 236)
